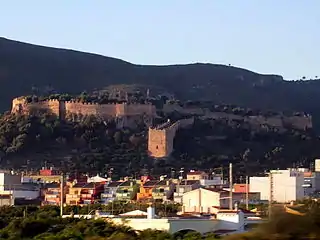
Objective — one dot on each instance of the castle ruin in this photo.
(64, 109)
(161, 137)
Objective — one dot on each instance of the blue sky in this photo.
(267, 36)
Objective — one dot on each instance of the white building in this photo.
(12, 188)
(317, 165)
(207, 200)
(228, 221)
(287, 185)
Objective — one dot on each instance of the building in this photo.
(52, 194)
(287, 185)
(120, 190)
(84, 193)
(241, 188)
(12, 189)
(226, 222)
(158, 190)
(49, 172)
(317, 165)
(197, 175)
(207, 200)
(46, 175)
(183, 187)
(97, 179)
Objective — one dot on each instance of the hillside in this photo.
(25, 68)
(90, 144)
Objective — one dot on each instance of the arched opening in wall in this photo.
(157, 147)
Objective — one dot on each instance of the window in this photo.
(76, 192)
(157, 147)
(125, 190)
(161, 190)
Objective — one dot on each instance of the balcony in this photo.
(158, 195)
(108, 195)
(51, 202)
(123, 195)
(52, 195)
(72, 196)
(86, 196)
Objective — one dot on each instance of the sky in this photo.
(267, 36)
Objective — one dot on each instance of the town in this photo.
(196, 194)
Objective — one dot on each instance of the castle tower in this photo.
(160, 140)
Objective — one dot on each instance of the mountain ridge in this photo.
(25, 66)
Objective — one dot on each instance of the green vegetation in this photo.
(95, 146)
(44, 223)
(285, 226)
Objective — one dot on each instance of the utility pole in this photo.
(270, 194)
(247, 192)
(231, 187)
(61, 194)
(222, 175)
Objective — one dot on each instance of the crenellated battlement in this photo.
(63, 108)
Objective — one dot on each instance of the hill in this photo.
(93, 145)
(25, 68)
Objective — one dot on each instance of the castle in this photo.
(127, 113)
(160, 138)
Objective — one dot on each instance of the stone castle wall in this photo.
(297, 122)
(61, 109)
(160, 138)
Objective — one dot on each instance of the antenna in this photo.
(247, 192)
(230, 186)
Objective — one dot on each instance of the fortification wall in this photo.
(300, 122)
(19, 105)
(261, 120)
(53, 106)
(138, 109)
(80, 108)
(106, 110)
(167, 108)
(160, 140)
